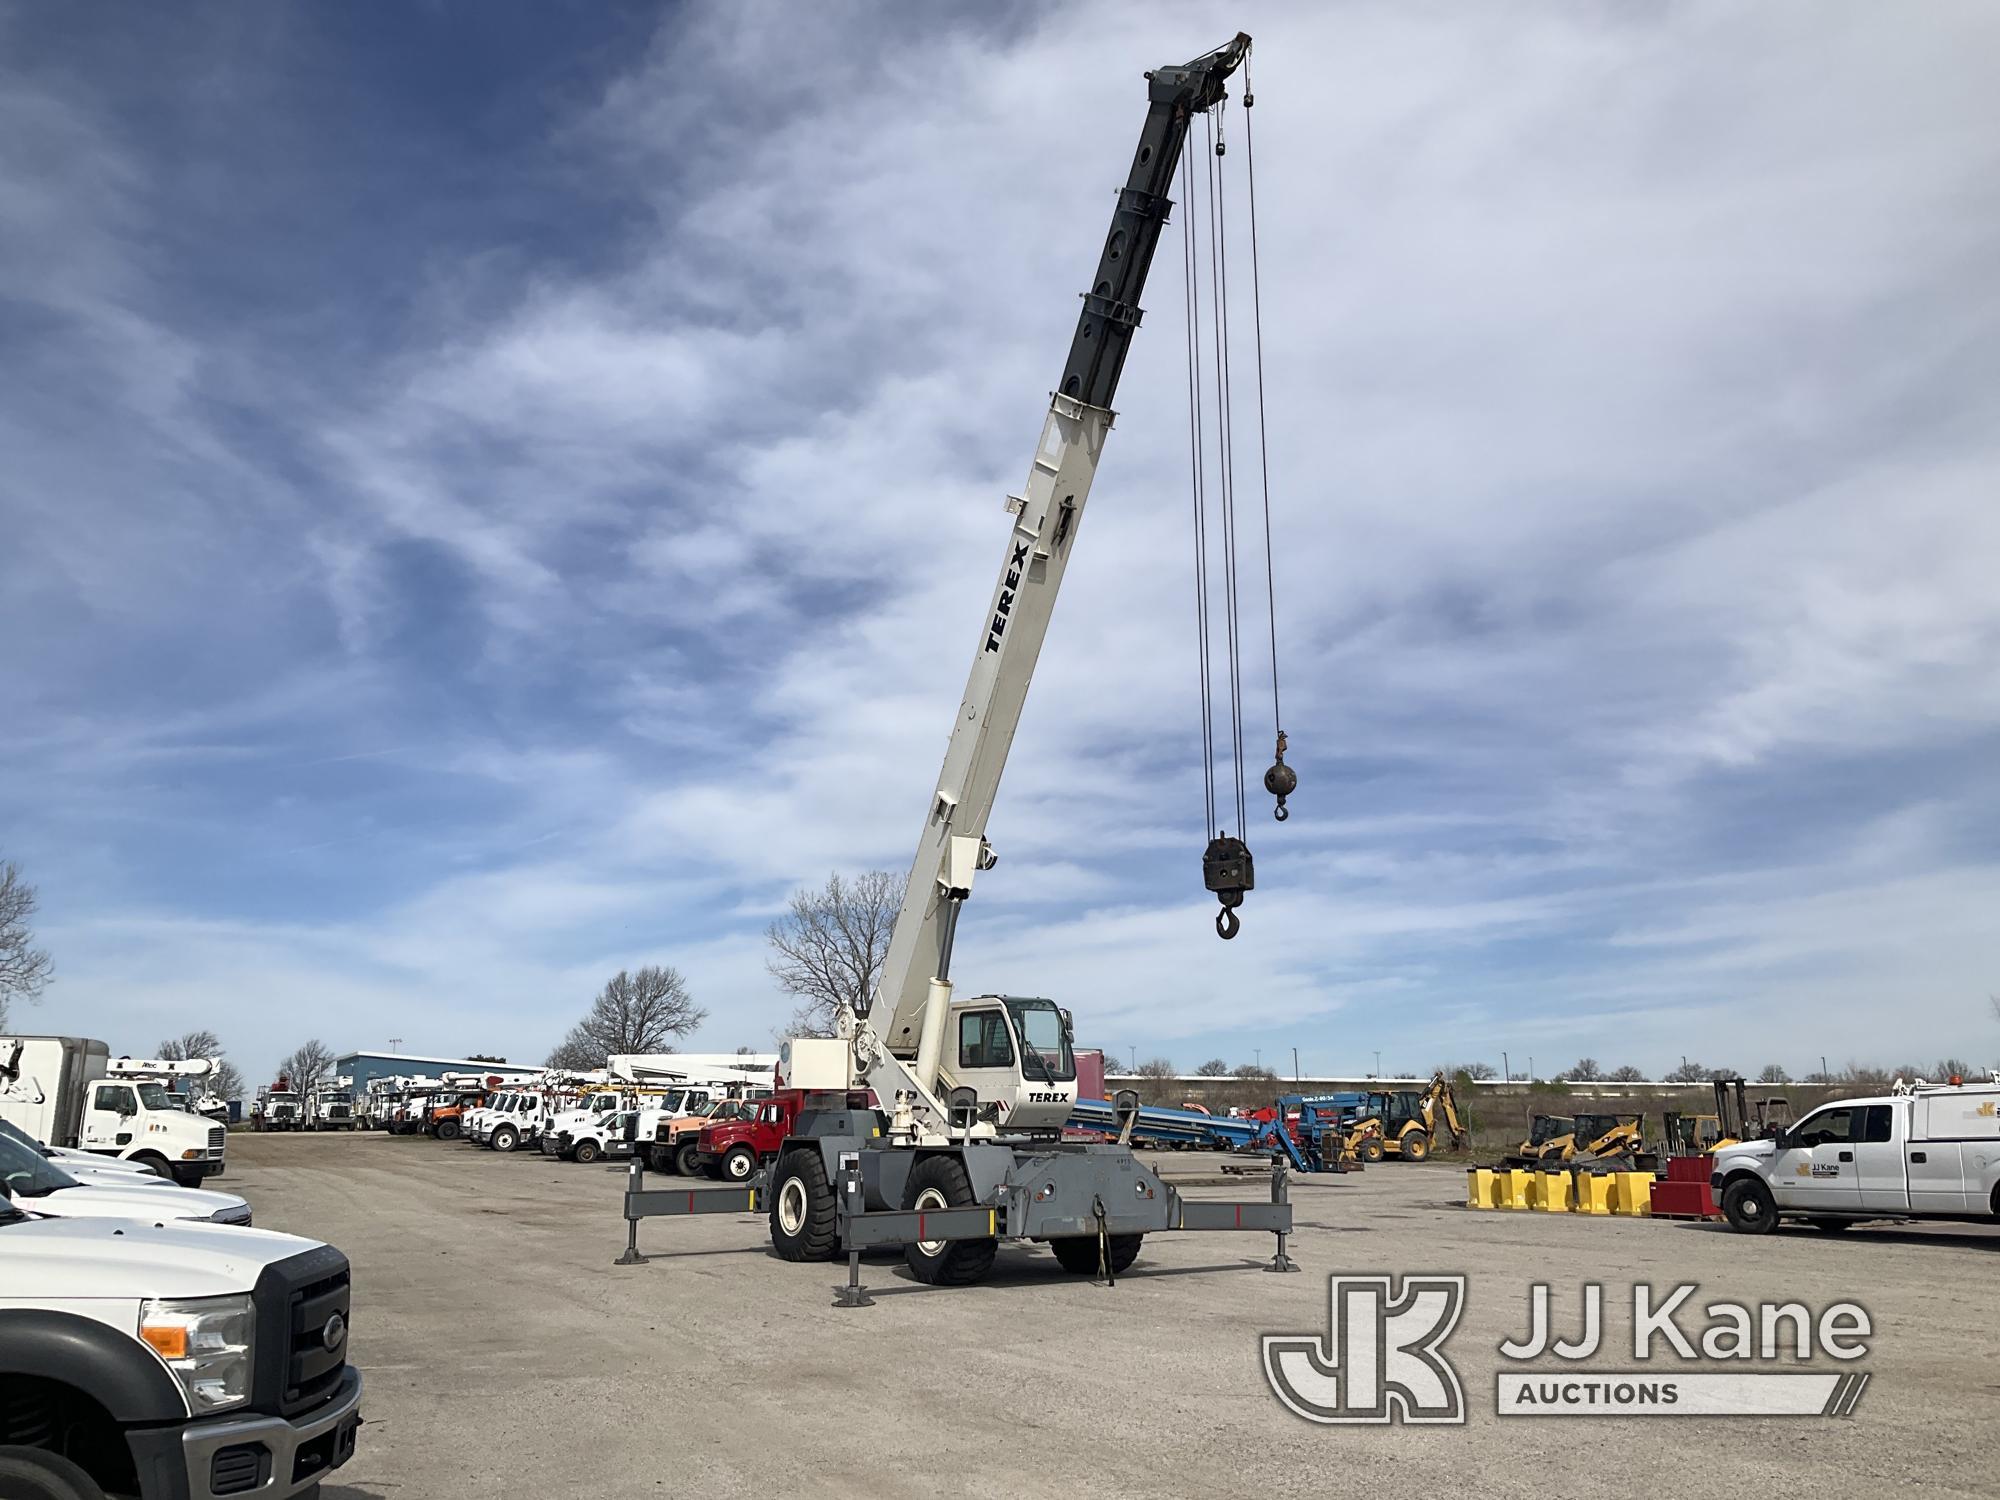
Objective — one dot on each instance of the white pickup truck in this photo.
(171, 1362)
(1928, 1153)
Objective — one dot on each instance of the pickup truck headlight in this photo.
(206, 1342)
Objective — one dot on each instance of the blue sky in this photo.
(488, 504)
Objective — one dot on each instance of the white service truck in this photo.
(63, 1091)
(1925, 1153)
(169, 1361)
(330, 1106)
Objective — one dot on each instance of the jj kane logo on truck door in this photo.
(1006, 605)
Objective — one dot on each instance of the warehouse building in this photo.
(364, 1066)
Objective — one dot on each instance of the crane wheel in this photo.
(1370, 1150)
(1416, 1146)
(804, 1223)
(1080, 1257)
(940, 1182)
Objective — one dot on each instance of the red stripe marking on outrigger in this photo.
(920, 1226)
(690, 1202)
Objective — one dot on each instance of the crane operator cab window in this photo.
(983, 1041)
(1045, 1040)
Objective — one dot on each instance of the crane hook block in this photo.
(1281, 780)
(1227, 870)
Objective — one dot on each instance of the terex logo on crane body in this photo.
(1006, 605)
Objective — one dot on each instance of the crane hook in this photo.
(1227, 923)
(1281, 780)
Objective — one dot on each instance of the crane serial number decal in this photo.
(1006, 605)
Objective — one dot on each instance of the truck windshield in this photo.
(1045, 1050)
(28, 1173)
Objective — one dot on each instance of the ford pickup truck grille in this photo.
(302, 1312)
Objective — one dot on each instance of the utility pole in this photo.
(1506, 1069)
(1135, 1055)
(1823, 1078)
(1531, 1067)
(1378, 1062)
(394, 1043)
(1258, 1053)
(1295, 1065)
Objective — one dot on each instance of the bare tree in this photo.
(1583, 1070)
(1628, 1074)
(1473, 1070)
(1689, 1072)
(1774, 1073)
(1157, 1067)
(1251, 1070)
(633, 1013)
(827, 949)
(306, 1066)
(24, 968)
(1949, 1068)
(1215, 1067)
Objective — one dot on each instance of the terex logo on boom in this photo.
(1006, 605)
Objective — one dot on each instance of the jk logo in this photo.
(1381, 1360)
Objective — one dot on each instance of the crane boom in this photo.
(899, 1039)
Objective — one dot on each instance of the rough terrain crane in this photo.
(969, 1095)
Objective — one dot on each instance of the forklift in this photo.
(1736, 1119)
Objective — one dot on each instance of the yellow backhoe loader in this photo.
(1411, 1119)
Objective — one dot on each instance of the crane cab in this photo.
(1016, 1054)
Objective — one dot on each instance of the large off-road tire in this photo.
(31, 1474)
(940, 1182)
(1749, 1207)
(1416, 1146)
(586, 1151)
(1080, 1257)
(739, 1164)
(505, 1138)
(684, 1160)
(1370, 1150)
(804, 1221)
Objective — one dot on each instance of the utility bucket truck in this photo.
(67, 1092)
(965, 1147)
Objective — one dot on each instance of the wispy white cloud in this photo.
(1633, 415)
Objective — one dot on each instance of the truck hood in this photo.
(1747, 1154)
(80, 1258)
(154, 1202)
(77, 1163)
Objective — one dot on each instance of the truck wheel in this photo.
(1080, 1257)
(30, 1474)
(153, 1162)
(802, 1208)
(448, 1130)
(1831, 1226)
(1370, 1150)
(1749, 1207)
(684, 1162)
(1416, 1146)
(738, 1163)
(940, 1182)
(586, 1152)
(506, 1138)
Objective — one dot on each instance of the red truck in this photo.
(732, 1149)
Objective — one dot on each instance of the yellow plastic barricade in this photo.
(1632, 1194)
(1517, 1187)
(1553, 1195)
(1481, 1191)
(1594, 1192)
